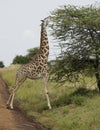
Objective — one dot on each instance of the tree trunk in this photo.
(98, 80)
(97, 75)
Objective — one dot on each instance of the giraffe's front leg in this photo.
(46, 91)
(48, 100)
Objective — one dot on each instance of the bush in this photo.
(20, 60)
(1, 64)
(77, 97)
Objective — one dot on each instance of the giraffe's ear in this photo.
(42, 20)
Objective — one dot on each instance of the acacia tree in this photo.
(78, 30)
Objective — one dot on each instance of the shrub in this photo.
(1, 64)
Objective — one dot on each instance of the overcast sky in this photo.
(20, 24)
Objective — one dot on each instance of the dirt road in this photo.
(13, 119)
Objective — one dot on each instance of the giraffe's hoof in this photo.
(9, 107)
(50, 107)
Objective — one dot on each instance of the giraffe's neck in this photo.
(44, 45)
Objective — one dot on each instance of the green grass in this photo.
(74, 108)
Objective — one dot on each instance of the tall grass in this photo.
(73, 108)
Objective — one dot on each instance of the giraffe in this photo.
(36, 68)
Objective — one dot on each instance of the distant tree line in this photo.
(19, 59)
(2, 64)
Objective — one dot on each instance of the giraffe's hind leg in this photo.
(12, 95)
(11, 98)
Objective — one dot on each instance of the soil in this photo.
(14, 119)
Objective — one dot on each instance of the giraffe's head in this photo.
(45, 21)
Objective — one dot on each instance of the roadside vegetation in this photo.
(74, 108)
